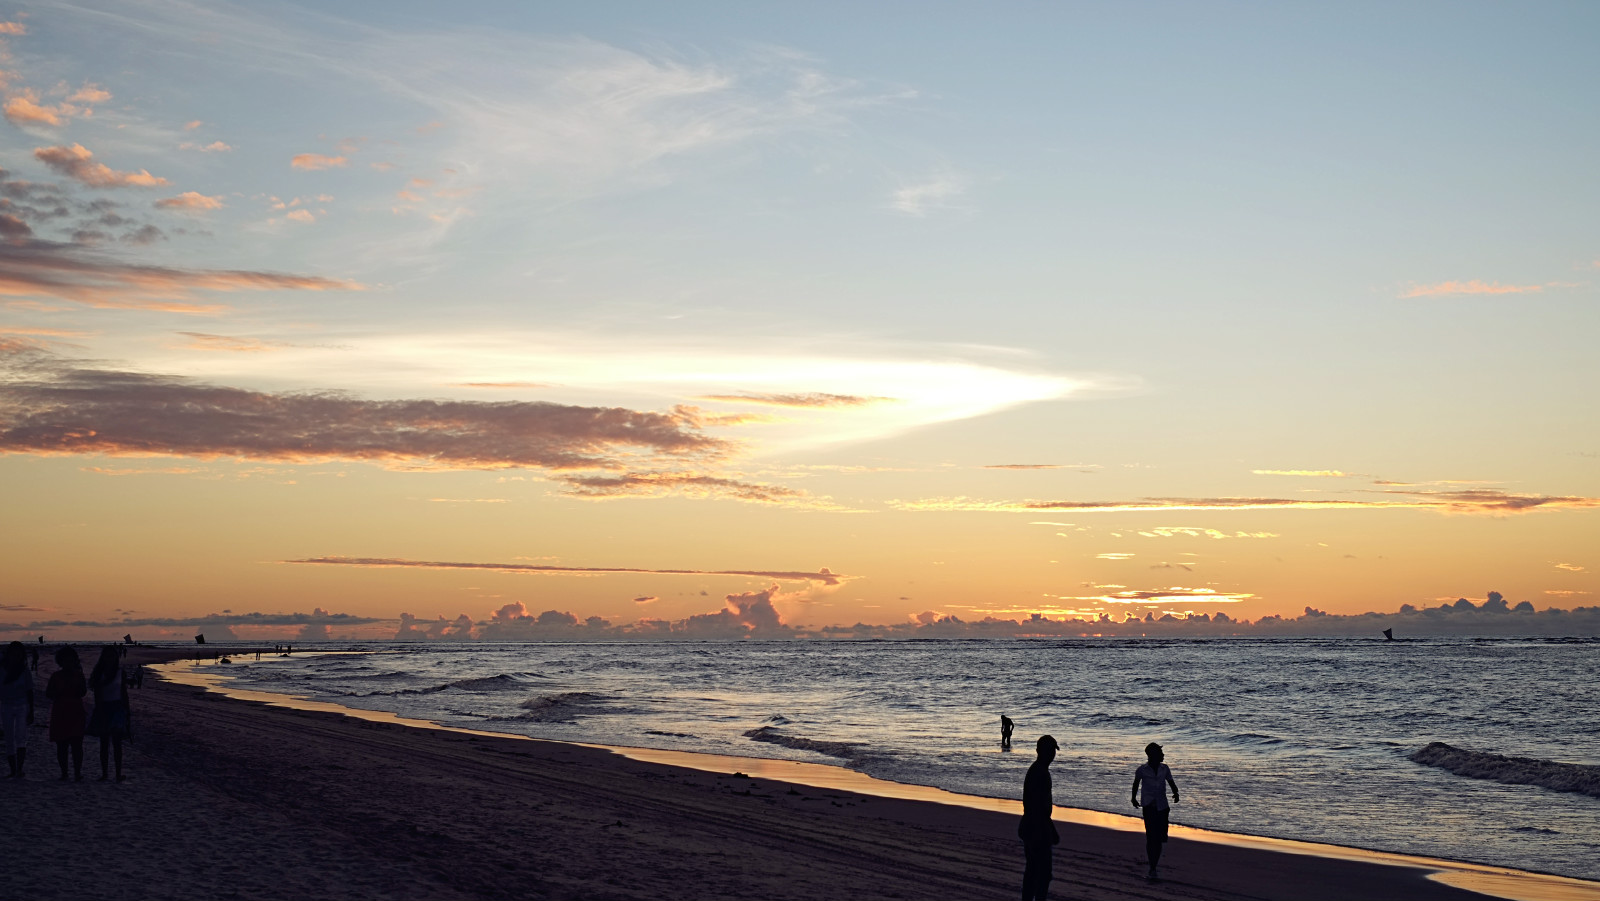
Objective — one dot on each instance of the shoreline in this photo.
(1483, 879)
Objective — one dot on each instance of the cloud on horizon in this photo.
(1448, 289)
(822, 576)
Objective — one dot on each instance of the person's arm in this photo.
(1174, 787)
(1136, 778)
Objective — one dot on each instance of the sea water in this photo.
(1294, 738)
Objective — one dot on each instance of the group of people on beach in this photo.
(108, 721)
(1038, 830)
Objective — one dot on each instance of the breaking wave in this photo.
(1561, 777)
(557, 708)
(502, 682)
(844, 750)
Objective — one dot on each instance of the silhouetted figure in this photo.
(110, 721)
(16, 706)
(1006, 728)
(1388, 635)
(1153, 778)
(65, 690)
(1037, 830)
(33, 658)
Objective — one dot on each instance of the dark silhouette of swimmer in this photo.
(1153, 802)
(1037, 830)
(1006, 727)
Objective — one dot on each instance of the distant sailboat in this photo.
(1388, 635)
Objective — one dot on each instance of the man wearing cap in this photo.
(1154, 776)
(1037, 830)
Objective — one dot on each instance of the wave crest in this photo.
(1562, 777)
(844, 750)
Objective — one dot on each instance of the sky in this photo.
(342, 320)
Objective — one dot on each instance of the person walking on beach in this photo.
(1150, 783)
(1037, 830)
(65, 690)
(109, 722)
(1006, 727)
(16, 706)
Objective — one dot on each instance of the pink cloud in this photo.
(313, 161)
(190, 200)
(15, 29)
(213, 147)
(89, 93)
(44, 268)
(77, 162)
(798, 400)
(1446, 289)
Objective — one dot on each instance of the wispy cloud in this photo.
(818, 400)
(1446, 289)
(921, 198)
(213, 147)
(48, 406)
(76, 162)
(315, 161)
(228, 343)
(822, 576)
(1307, 473)
(651, 484)
(69, 272)
(1465, 501)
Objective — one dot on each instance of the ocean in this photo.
(1306, 739)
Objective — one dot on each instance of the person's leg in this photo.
(1034, 882)
(22, 759)
(77, 758)
(116, 750)
(105, 757)
(61, 757)
(1152, 837)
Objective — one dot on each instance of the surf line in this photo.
(1498, 882)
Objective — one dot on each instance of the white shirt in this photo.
(1153, 785)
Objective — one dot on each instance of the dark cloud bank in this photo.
(753, 615)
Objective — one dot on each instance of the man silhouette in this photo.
(1037, 830)
(1006, 725)
(1153, 802)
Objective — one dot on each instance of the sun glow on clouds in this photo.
(931, 387)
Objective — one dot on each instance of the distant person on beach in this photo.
(1150, 783)
(1037, 830)
(65, 690)
(110, 720)
(1006, 728)
(16, 706)
(33, 658)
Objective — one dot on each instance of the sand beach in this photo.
(229, 798)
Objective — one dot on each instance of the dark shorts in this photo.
(1155, 822)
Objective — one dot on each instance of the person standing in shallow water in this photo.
(1150, 783)
(1006, 725)
(16, 705)
(65, 690)
(1037, 830)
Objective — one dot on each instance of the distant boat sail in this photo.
(1388, 635)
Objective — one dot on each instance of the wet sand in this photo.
(233, 799)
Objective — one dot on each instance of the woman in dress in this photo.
(109, 721)
(16, 705)
(65, 690)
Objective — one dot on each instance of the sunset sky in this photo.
(904, 308)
